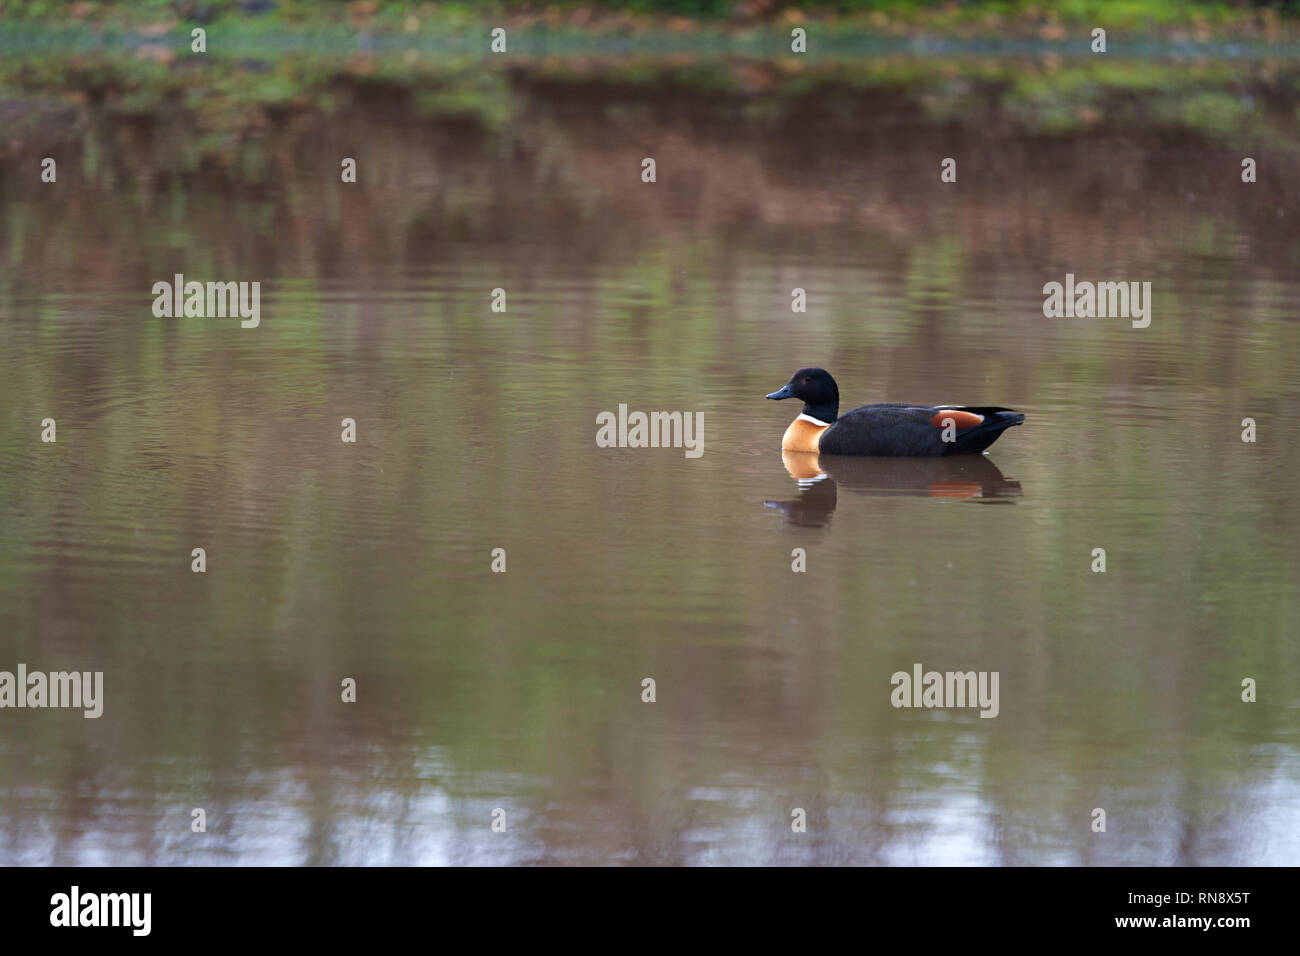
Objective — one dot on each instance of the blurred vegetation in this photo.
(677, 16)
(1221, 100)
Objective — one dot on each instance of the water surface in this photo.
(476, 431)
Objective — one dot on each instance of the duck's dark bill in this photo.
(785, 392)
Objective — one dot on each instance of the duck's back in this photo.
(896, 428)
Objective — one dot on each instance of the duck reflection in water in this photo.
(821, 478)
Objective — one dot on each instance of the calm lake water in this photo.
(476, 430)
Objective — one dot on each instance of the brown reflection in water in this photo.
(973, 477)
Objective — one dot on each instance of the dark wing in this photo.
(884, 429)
(896, 429)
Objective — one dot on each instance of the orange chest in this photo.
(802, 435)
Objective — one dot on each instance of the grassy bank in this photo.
(670, 20)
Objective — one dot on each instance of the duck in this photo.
(890, 429)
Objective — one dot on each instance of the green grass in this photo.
(395, 15)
